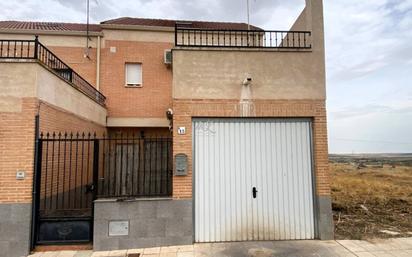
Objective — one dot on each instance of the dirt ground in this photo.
(371, 199)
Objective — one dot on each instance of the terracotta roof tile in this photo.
(171, 23)
(79, 27)
(48, 26)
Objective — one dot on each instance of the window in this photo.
(133, 74)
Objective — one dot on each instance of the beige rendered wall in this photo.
(22, 80)
(53, 90)
(219, 74)
(16, 82)
(142, 35)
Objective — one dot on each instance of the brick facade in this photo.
(17, 134)
(74, 57)
(184, 110)
(17, 152)
(54, 119)
(154, 97)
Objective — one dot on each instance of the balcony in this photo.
(283, 65)
(21, 50)
(258, 39)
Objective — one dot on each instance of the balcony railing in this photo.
(33, 49)
(192, 37)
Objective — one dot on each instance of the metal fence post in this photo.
(36, 47)
(95, 166)
(36, 182)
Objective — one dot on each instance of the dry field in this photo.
(370, 199)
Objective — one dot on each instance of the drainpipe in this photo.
(98, 64)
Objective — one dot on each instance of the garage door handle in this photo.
(254, 192)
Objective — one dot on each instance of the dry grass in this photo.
(368, 200)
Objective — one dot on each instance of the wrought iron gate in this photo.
(74, 169)
(68, 167)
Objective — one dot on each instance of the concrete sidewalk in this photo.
(390, 247)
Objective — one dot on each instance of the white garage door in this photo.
(253, 179)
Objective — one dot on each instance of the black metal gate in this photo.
(68, 165)
(72, 170)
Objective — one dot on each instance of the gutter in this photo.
(98, 63)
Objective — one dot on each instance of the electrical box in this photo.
(20, 175)
(181, 164)
(119, 228)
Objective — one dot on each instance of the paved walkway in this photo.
(391, 247)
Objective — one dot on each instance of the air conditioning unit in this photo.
(168, 57)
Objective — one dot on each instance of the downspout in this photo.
(98, 64)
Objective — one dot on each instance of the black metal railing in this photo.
(33, 49)
(17, 49)
(76, 168)
(192, 37)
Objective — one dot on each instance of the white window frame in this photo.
(127, 84)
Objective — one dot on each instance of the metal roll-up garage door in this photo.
(253, 179)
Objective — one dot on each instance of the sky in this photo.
(368, 54)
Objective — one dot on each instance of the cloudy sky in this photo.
(368, 54)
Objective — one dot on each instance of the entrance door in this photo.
(253, 179)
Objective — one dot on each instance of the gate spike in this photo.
(77, 134)
(48, 135)
(71, 134)
(54, 134)
(41, 134)
(65, 134)
(60, 135)
(94, 134)
(82, 134)
(88, 135)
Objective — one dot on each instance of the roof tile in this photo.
(80, 27)
(187, 23)
(48, 26)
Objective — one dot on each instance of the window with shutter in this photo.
(133, 74)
